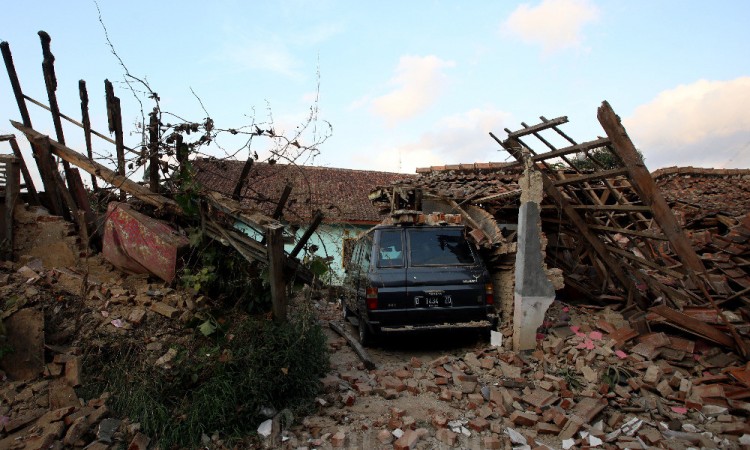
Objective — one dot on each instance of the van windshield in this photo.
(439, 247)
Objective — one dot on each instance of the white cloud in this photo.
(418, 81)
(703, 124)
(461, 138)
(553, 24)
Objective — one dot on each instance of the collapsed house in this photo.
(608, 229)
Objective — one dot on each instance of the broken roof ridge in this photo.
(306, 166)
(690, 170)
(466, 166)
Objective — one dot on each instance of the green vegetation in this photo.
(222, 385)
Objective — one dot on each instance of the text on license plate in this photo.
(432, 301)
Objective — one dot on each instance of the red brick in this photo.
(446, 436)
(407, 441)
(523, 418)
(478, 424)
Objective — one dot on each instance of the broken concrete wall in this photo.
(533, 291)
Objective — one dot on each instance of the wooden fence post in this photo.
(275, 238)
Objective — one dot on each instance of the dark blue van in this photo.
(416, 276)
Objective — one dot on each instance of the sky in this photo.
(402, 84)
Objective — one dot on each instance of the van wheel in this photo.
(365, 335)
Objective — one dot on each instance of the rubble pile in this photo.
(56, 319)
(593, 382)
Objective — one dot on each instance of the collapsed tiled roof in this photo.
(468, 181)
(341, 194)
(710, 191)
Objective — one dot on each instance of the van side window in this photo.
(390, 251)
(366, 253)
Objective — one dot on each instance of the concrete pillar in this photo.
(533, 293)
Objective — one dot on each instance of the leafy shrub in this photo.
(223, 386)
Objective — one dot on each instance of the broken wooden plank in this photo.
(86, 124)
(114, 117)
(282, 202)
(694, 326)
(237, 193)
(28, 181)
(153, 150)
(624, 208)
(106, 174)
(537, 128)
(585, 146)
(646, 188)
(308, 233)
(591, 176)
(79, 124)
(358, 349)
(630, 232)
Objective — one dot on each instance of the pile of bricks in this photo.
(599, 384)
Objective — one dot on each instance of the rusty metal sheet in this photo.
(137, 243)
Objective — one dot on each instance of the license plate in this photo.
(433, 301)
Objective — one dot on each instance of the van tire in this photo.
(365, 335)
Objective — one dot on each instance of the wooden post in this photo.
(241, 182)
(33, 195)
(282, 202)
(647, 190)
(274, 236)
(86, 122)
(305, 237)
(50, 82)
(11, 166)
(153, 151)
(114, 118)
(75, 185)
(18, 94)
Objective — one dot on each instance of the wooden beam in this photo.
(601, 142)
(591, 176)
(103, 172)
(11, 167)
(86, 124)
(79, 124)
(356, 346)
(282, 202)
(28, 181)
(659, 237)
(275, 238)
(50, 82)
(645, 262)
(537, 128)
(114, 118)
(153, 151)
(647, 190)
(237, 193)
(626, 208)
(306, 236)
(692, 325)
